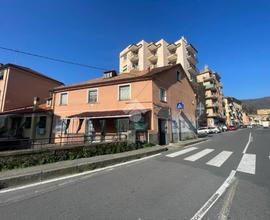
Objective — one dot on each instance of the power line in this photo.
(52, 59)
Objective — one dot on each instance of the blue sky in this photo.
(232, 36)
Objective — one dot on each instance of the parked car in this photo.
(266, 124)
(203, 131)
(232, 128)
(214, 130)
(249, 126)
(223, 128)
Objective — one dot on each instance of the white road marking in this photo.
(178, 153)
(247, 164)
(75, 175)
(225, 211)
(199, 155)
(218, 160)
(250, 139)
(212, 200)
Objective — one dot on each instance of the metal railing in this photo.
(65, 140)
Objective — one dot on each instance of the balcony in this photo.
(191, 48)
(210, 86)
(153, 58)
(133, 57)
(214, 97)
(172, 48)
(153, 47)
(191, 58)
(208, 79)
(212, 105)
(172, 58)
(213, 115)
(134, 47)
(192, 69)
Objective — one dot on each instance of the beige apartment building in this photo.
(233, 111)
(144, 55)
(144, 105)
(19, 85)
(213, 96)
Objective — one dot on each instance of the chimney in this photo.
(35, 103)
(206, 68)
(109, 74)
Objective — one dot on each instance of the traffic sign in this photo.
(180, 105)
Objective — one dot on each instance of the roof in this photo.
(123, 77)
(110, 114)
(30, 71)
(27, 109)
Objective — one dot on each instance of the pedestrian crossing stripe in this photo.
(247, 164)
(181, 152)
(199, 155)
(218, 160)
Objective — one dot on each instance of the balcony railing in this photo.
(133, 57)
(153, 58)
(211, 96)
(210, 86)
(172, 57)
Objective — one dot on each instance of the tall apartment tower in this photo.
(144, 55)
(213, 96)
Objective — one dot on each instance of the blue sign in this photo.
(180, 105)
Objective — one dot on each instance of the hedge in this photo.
(21, 160)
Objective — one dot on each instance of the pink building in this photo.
(144, 105)
(19, 85)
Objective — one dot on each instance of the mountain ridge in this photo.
(251, 105)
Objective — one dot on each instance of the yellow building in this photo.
(213, 96)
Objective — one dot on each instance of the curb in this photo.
(77, 166)
(172, 146)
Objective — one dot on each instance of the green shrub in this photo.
(56, 155)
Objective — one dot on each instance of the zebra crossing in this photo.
(247, 163)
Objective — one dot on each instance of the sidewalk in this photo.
(186, 143)
(16, 177)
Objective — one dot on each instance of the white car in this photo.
(203, 131)
(249, 126)
(213, 130)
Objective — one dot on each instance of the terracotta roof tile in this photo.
(123, 76)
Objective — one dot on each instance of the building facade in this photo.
(140, 104)
(19, 85)
(233, 111)
(213, 97)
(31, 122)
(144, 55)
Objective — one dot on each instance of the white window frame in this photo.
(166, 94)
(118, 91)
(87, 96)
(60, 94)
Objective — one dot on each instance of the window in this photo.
(178, 76)
(92, 96)
(63, 98)
(122, 124)
(124, 92)
(27, 123)
(1, 74)
(163, 95)
(42, 122)
(125, 57)
(124, 68)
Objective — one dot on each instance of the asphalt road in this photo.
(227, 177)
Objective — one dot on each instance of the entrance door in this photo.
(89, 130)
(162, 131)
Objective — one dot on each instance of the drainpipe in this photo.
(34, 118)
